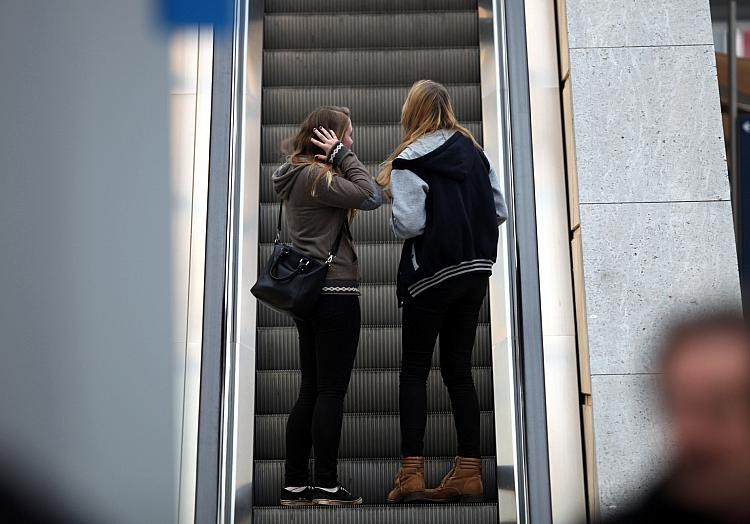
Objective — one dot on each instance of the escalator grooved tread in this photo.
(335, 6)
(372, 142)
(369, 391)
(379, 348)
(370, 67)
(370, 30)
(380, 432)
(371, 478)
(378, 303)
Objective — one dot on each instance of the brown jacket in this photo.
(314, 219)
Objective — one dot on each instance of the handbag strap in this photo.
(336, 243)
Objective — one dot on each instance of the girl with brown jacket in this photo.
(322, 184)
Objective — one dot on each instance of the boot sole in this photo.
(296, 503)
(418, 497)
(331, 502)
(463, 499)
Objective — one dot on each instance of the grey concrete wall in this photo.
(655, 217)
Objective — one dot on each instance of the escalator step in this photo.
(366, 67)
(369, 391)
(378, 304)
(369, 105)
(368, 226)
(335, 6)
(278, 348)
(399, 514)
(377, 262)
(374, 435)
(369, 30)
(268, 195)
(372, 142)
(371, 479)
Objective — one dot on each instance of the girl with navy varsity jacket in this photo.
(447, 206)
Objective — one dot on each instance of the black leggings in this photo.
(451, 310)
(327, 346)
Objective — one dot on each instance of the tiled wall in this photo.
(651, 219)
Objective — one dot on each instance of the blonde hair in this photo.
(427, 108)
(301, 151)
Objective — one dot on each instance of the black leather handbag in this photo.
(292, 282)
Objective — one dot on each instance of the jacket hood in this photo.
(284, 177)
(442, 150)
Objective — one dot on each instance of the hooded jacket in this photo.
(447, 205)
(314, 217)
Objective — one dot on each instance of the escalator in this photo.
(364, 55)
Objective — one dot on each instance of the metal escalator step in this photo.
(372, 142)
(368, 104)
(378, 262)
(383, 514)
(370, 67)
(378, 304)
(368, 226)
(335, 6)
(369, 391)
(371, 479)
(348, 30)
(268, 195)
(374, 435)
(379, 347)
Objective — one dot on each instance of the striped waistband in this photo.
(468, 266)
(341, 287)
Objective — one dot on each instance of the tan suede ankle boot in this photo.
(409, 484)
(463, 483)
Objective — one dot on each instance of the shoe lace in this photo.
(448, 477)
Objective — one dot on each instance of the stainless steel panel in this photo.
(247, 266)
(494, 109)
(532, 464)
(556, 286)
(197, 189)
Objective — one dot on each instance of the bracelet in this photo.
(334, 152)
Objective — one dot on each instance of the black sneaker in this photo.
(296, 498)
(339, 497)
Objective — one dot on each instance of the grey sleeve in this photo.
(409, 193)
(375, 200)
(501, 209)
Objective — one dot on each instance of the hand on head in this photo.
(326, 140)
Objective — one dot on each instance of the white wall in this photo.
(86, 325)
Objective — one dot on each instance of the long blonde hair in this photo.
(427, 108)
(301, 151)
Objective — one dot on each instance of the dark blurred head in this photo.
(706, 386)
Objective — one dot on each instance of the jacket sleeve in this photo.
(356, 189)
(501, 209)
(409, 193)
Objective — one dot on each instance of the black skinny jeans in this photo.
(327, 345)
(450, 310)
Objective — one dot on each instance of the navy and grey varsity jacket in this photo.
(447, 205)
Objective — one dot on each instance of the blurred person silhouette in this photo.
(705, 388)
